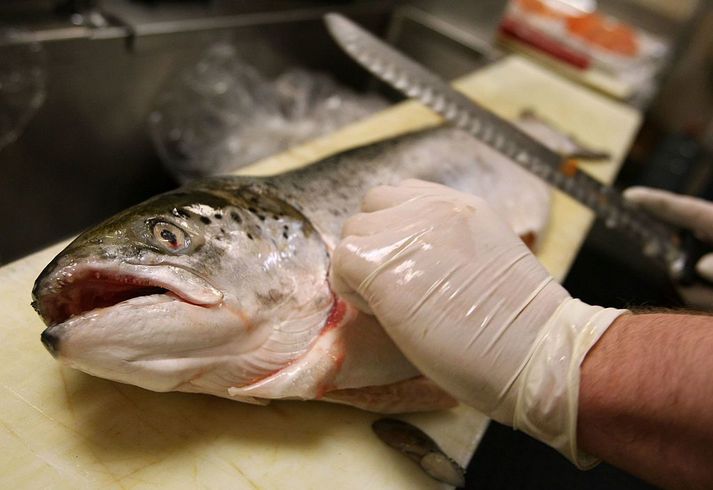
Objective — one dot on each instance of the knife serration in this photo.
(657, 239)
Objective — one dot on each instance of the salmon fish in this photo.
(222, 287)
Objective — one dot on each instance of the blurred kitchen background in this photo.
(104, 103)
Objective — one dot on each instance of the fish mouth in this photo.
(78, 290)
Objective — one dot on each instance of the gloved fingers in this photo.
(387, 196)
(683, 211)
(394, 218)
(347, 270)
(366, 224)
(359, 263)
(704, 267)
(345, 292)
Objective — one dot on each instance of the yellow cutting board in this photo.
(63, 429)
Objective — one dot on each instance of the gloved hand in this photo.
(470, 306)
(683, 211)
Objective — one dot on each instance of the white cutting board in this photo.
(64, 429)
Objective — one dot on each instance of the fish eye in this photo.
(170, 236)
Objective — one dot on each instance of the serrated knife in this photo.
(657, 239)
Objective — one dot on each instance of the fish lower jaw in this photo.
(135, 302)
(99, 286)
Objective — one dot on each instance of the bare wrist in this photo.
(645, 398)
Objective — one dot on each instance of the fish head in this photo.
(198, 290)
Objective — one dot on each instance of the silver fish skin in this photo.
(221, 286)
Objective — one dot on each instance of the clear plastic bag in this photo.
(222, 114)
(22, 82)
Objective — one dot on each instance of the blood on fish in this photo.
(336, 315)
(529, 239)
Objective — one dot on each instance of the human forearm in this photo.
(646, 398)
(473, 310)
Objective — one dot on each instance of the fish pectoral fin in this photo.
(235, 394)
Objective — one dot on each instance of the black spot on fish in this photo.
(222, 230)
(252, 210)
(261, 217)
(236, 217)
(285, 227)
(250, 237)
(275, 217)
(284, 235)
(205, 220)
(218, 216)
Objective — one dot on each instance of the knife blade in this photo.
(657, 239)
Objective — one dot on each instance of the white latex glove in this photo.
(471, 307)
(683, 211)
